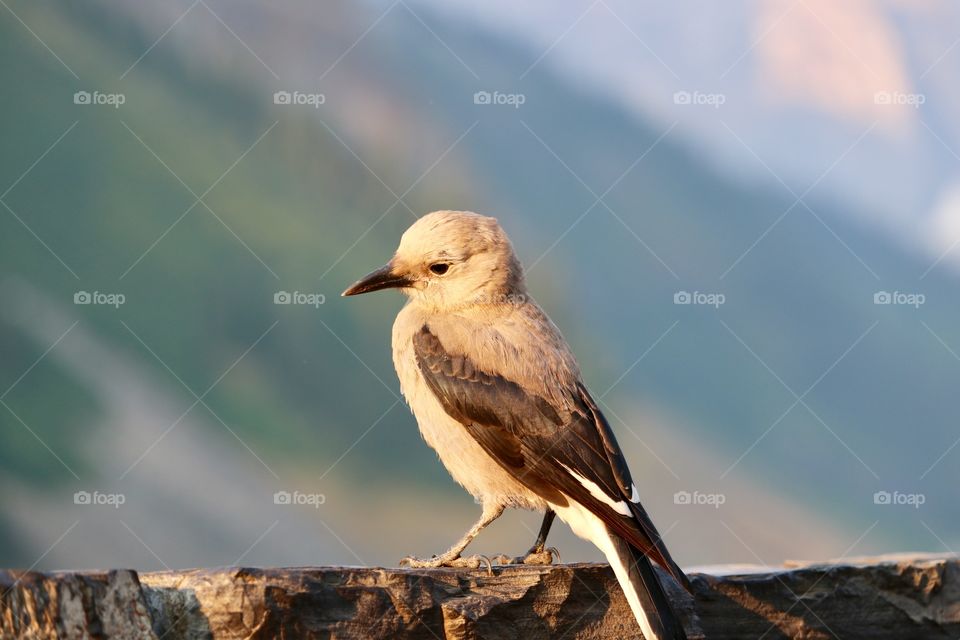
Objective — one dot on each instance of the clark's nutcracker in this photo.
(498, 394)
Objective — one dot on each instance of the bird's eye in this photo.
(439, 268)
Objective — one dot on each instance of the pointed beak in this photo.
(382, 278)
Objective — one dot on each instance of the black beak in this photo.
(382, 278)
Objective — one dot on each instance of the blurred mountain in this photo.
(798, 83)
(200, 198)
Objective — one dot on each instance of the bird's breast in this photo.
(462, 456)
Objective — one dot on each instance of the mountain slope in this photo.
(298, 211)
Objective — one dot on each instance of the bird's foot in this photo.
(542, 556)
(448, 560)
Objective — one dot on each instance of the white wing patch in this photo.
(634, 494)
(598, 493)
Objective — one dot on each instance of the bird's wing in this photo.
(556, 453)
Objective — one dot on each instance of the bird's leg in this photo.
(539, 553)
(451, 557)
(539, 546)
(541, 540)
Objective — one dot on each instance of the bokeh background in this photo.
(788, 167)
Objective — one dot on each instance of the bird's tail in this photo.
(643, 590)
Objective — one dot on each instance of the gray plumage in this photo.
(498, 394)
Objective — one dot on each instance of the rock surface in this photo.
(888, 597)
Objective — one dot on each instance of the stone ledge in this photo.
(900, 596)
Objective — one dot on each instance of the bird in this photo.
(498, 394)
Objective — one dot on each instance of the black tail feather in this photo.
(653, 599)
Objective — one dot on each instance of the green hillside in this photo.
(198, 297)
(199, 289)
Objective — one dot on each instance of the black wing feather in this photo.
(538, 444)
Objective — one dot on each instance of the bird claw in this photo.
(534, 557)
(474, 562)
(419, 563)
(469, 562)
(544, 557)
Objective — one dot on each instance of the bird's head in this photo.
(449, 260)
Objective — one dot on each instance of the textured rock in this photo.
(73, 605)
(901, 597)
